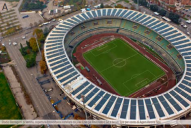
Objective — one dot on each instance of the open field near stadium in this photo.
(9, 109)
(123, 67)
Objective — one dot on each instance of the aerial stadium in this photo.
(121, 64)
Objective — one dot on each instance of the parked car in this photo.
(184, 26)
(40, 25)
(14, 43)
(188, 21)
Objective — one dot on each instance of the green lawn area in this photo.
(8, 109)
(123, 67)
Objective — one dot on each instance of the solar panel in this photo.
(68, 77)
(102, 102)
(91, 94)
(137, 16)
(118, 12)
(116, 107)
(75, 19)
(96, 98)
(99, 13)
(127, 14)
(108, 12)
(166, 30)
(172, 101)
(158, 107)
(85, 91)
(113, 12)
(109, 104)
(141, 109)
(124, 109)
(89, 14)
(185, 88)
(84, 15)
(145, 20)
(123, 13)
(80, 17)
(80, 88)
(133, 109)
(94, 13)
(150, 109)
(185, 95)
(104, 12)
(165, 105)
(176, 96)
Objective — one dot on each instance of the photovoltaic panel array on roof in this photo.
(168, 104)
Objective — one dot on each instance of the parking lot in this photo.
(63, 107)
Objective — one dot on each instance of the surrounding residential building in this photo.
(173, 2)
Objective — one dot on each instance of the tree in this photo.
(40, 35)
(143, 3)
(43, 57)
(40, 21)
(102, 5)
(174, 17)
(107, 6)
(119, 6)
(132, 7)
(46, 31)
(22, 50)
(30, 62)
(162, 12)
(3, 48)
(28, 44)
(28, 51)
(154, 8)
(43, 67)
(33, 44)
(31, 25)
(35, 24)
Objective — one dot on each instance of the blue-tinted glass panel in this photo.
(141, 109)
(183, 102)
(80, 88)
(85, 91)
(150, 109)
(91, 94)
(165, 105)
(96, 98)
(124, 109)
(172, 101)
(109, 104)
(102, 102)
(116, 107)
(133, 109)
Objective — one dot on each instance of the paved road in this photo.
(41, 103)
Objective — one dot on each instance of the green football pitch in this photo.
(123, 67)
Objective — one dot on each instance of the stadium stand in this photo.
(169, 105)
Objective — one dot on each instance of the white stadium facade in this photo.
(172, 104)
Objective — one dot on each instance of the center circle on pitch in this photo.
(119, 62)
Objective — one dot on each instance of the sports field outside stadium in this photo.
(123, 67)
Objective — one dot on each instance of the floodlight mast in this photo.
(138, 5)
(37, 44)
(83, 99)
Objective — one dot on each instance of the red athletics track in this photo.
(153, 89)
